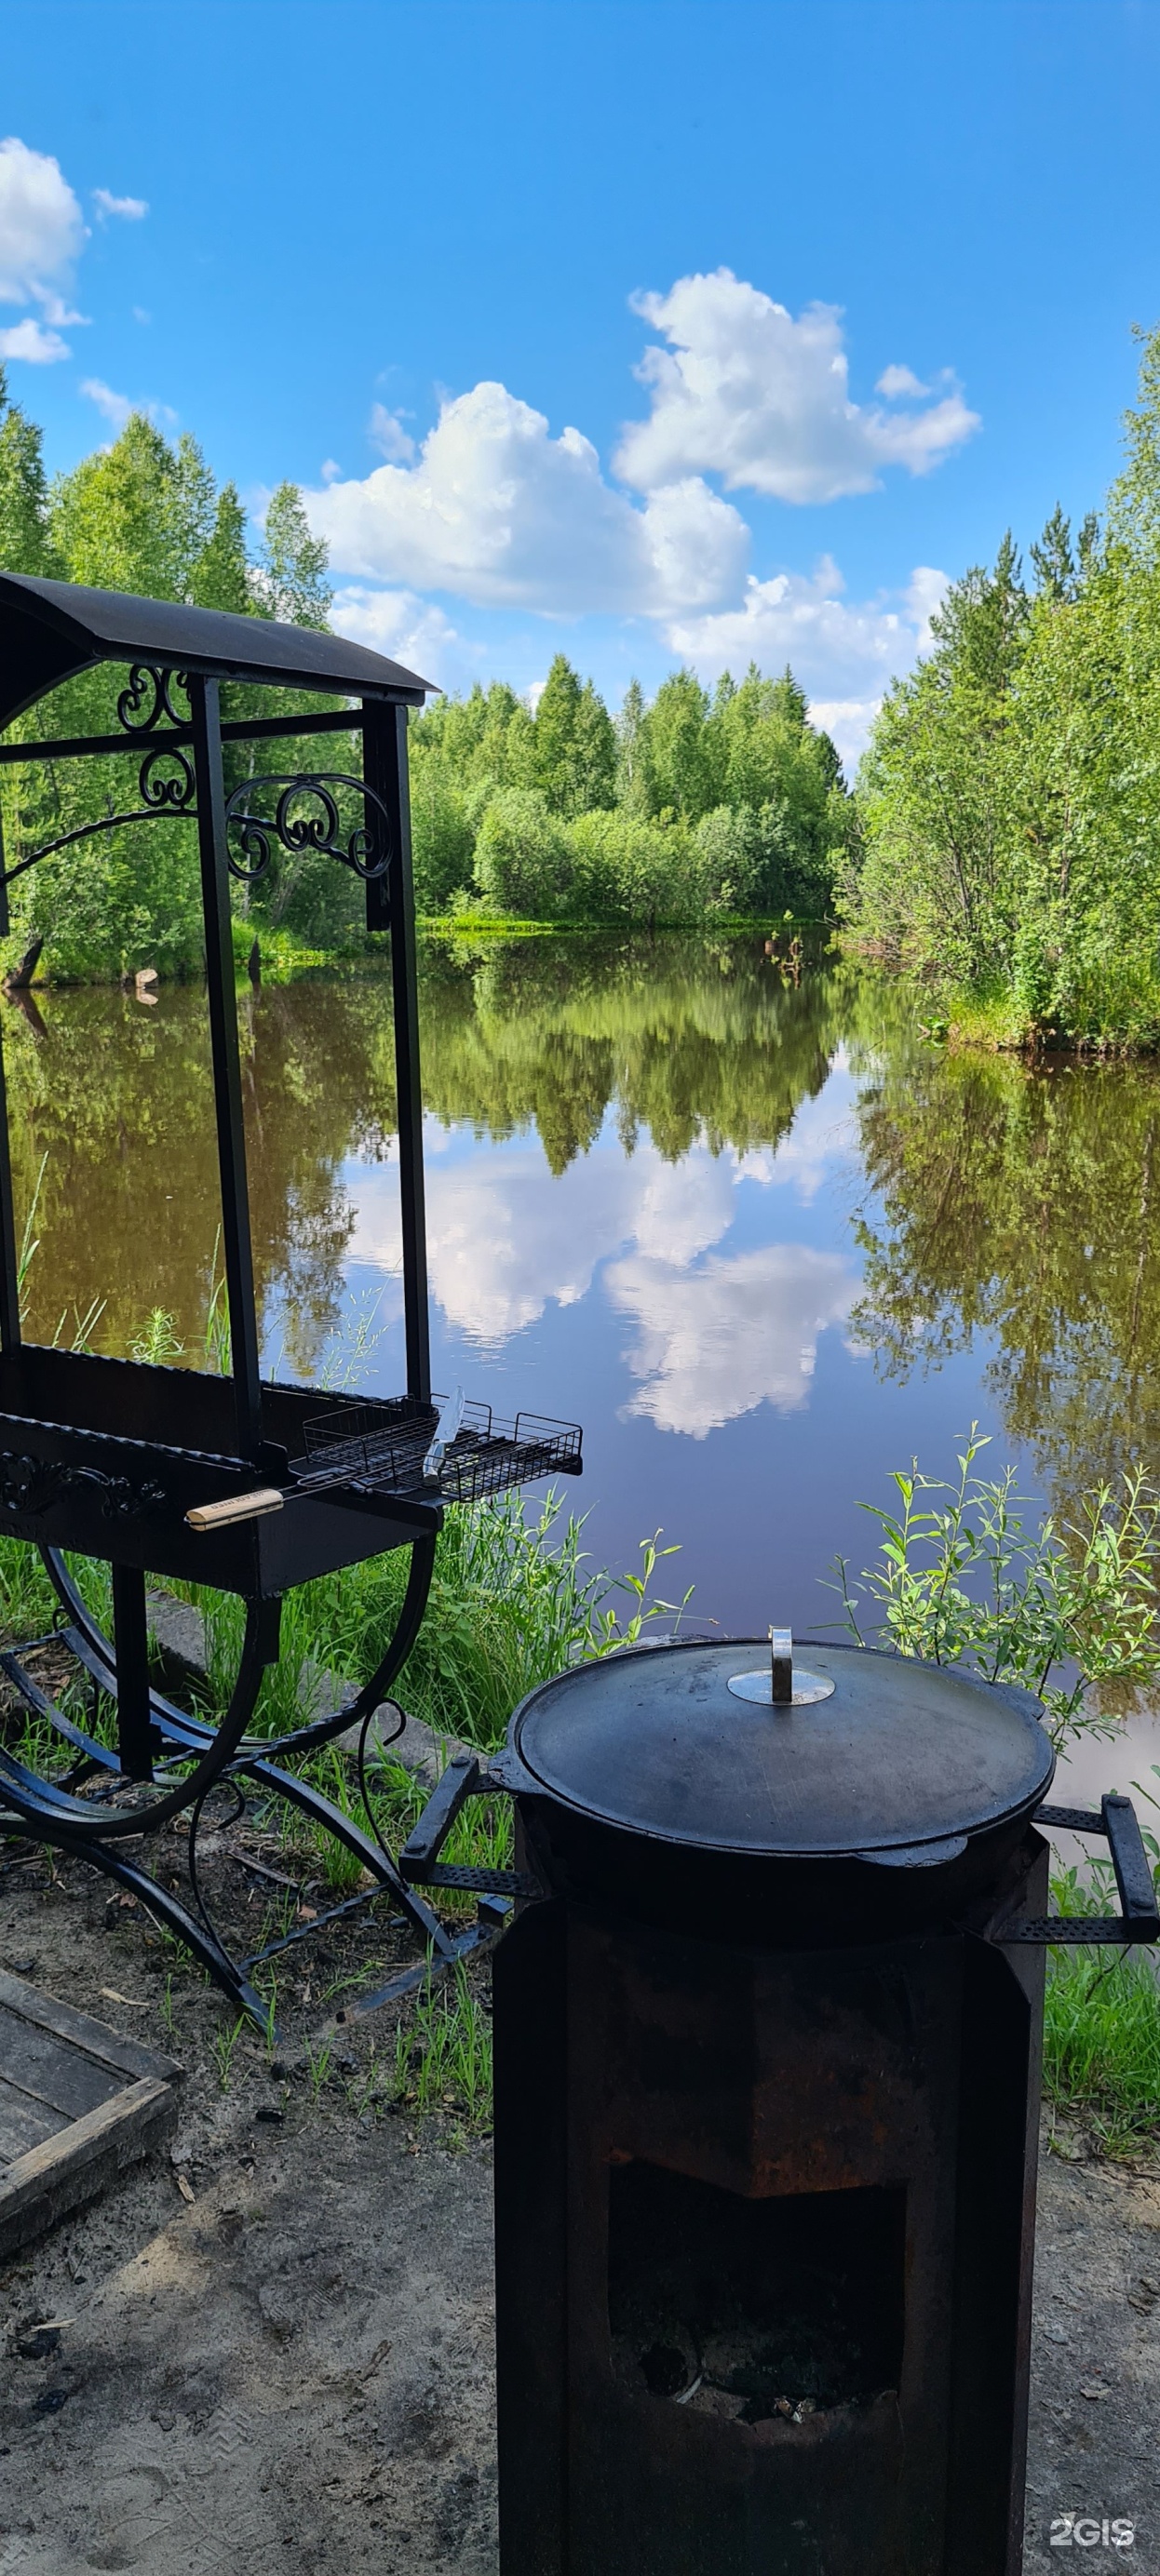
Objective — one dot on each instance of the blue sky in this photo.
(594, 326)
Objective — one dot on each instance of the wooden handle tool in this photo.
(236, 1507)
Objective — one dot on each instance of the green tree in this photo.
(569, 751)
(633, 785)
(25, 544)
(1009, 805)
(1134, 500)
(221, 574)
(290, 580)
(145, 515)
(938, 785)
(683, 772)
(523, 863)
(138, 515)
(443, 840)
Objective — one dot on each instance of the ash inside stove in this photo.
(754, 2308)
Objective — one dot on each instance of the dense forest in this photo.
(685, 809)
(1010, 798)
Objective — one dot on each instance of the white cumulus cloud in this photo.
(848, 722)
(500, 512)
(410, 630)
(389, 436)
(739, 1330)
(745, 392)
(843, 652)
(130, 210)
(42, 232)
(497, 510)
(897, 382)
(118, 408)
(30, 340)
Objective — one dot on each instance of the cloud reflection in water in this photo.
(717, 1332)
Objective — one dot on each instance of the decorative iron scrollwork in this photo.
(166, 793)
(147, 699)
(366, 849)
(30, 1486)
(163, 793)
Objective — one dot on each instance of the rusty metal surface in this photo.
(718, 2167)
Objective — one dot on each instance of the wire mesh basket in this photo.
(512, 1453)
(382, 1447)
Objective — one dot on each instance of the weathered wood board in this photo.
(77, 2102)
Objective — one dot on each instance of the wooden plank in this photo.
(38, 2187)
(23, 2123)
(53, 2070)
(107, 2047)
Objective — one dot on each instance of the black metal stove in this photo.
(767, 2088)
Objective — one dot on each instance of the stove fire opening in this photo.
(754, 2309)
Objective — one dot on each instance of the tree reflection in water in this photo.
(1010, 1204)
(1021, 1202)
(111, 1107)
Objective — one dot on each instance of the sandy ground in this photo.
(271, 2347)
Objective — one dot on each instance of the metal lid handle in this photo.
(781, 1657)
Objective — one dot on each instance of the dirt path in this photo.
(293, 2369)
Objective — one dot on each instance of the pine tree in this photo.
(554, 746)
(594, 771)
(632, 781)
(1053, 558)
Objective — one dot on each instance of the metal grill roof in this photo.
(51, 630)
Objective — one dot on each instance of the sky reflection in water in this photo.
(761, 1241)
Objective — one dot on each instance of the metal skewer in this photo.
(445, 1432)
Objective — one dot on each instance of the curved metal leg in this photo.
(176, 1918)
(259, 1648)
(226, 1752)
(301, 1739)
(322, 1811)
(322, 1730)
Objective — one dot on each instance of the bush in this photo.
(523, 856)
(442, 838)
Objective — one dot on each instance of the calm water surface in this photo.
(761, 1240)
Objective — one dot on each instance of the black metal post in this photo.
(130, 1634)
(227, 1080)
(9, 1267)
(391, 906)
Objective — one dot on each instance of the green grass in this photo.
(1114, 1012)
(1101, 2037)
(443, 2056)
(513, 1601)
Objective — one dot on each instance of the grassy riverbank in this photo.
(1113, 1013)
(278, 955)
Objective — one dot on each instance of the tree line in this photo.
(670, 813)
(692, 808)
(1009, 802)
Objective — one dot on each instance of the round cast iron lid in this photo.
(902, 1754)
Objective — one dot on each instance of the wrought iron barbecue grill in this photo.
(234, 1481)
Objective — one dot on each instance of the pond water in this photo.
(761, 1239)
